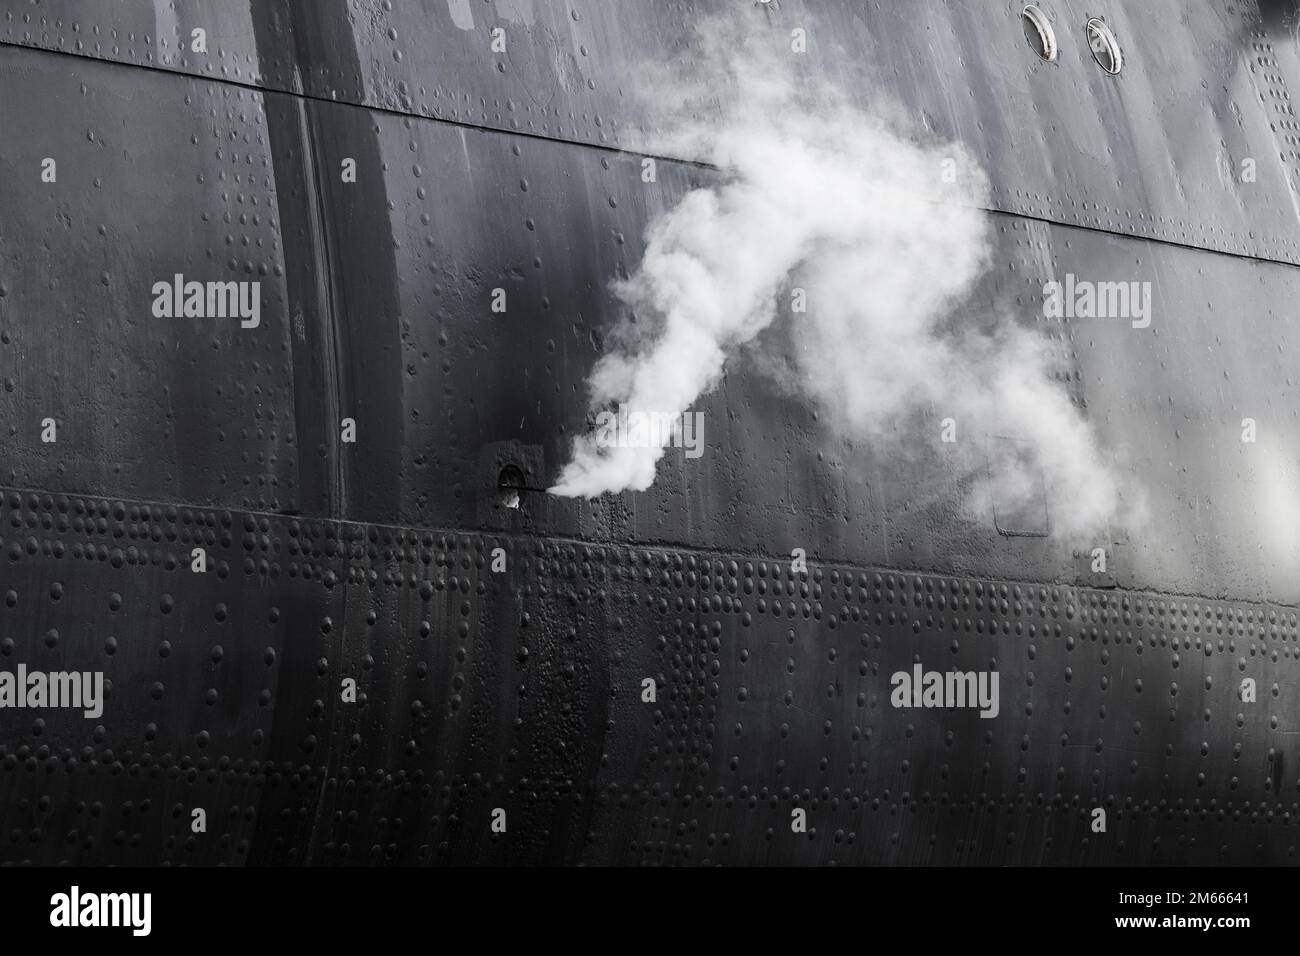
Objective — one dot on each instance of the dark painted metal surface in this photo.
(522, 689)
(1153, 152)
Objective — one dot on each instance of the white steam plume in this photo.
(848, 207)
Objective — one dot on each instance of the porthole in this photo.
(1104, 46)
(510, 485)
(1039, 32)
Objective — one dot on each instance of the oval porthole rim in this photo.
(1100, 28)
(1034, 16)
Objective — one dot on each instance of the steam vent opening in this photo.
(1039, 32)
(1104, 46)
(510, 484)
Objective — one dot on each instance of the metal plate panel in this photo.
(153, 180)
(1139, 153)
(522, 690)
